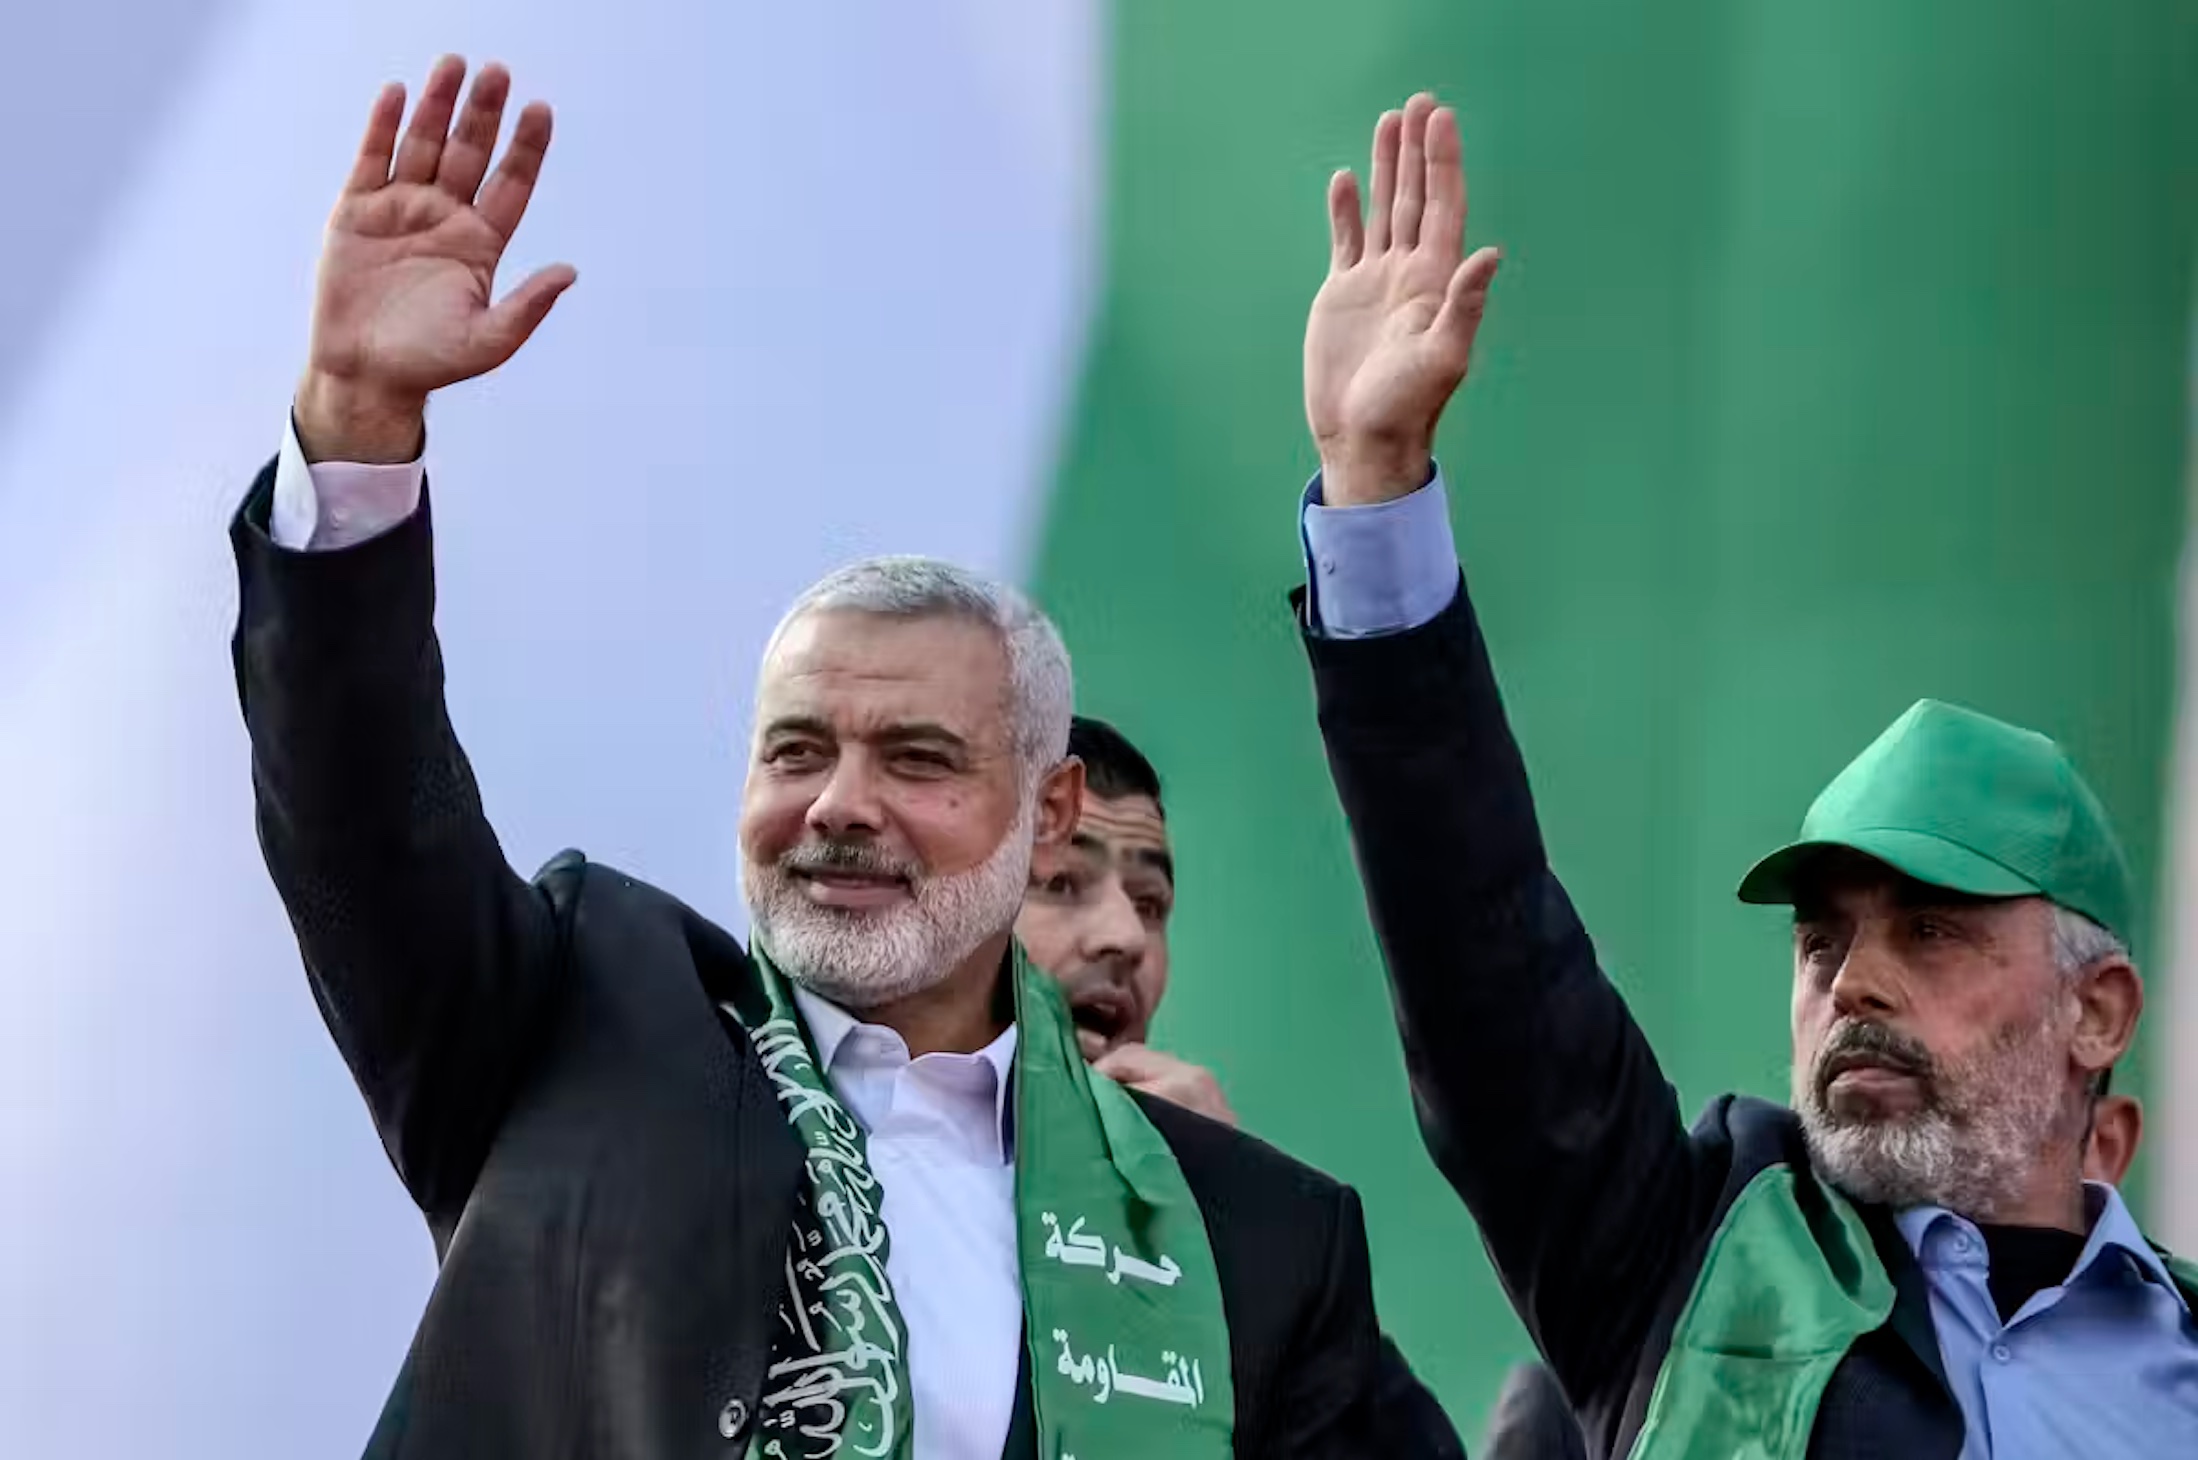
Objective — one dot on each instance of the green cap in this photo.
(1963, 801)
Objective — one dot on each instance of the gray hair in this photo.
(1041, 688)
(2079, 942)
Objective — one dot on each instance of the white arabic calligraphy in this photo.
(1185, 1384)
(816, 1391)
(1076, 1249)
(1125, 1265)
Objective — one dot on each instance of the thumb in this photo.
(1465, 301)
(513, 319)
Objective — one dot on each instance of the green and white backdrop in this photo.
(1840, 357)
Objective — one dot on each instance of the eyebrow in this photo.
(1097, 846)
(1158, 860)
(798, 725)
(910, 732)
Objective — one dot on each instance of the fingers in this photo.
(1404, 227)
(1346, 230)
(1133, 1064)
(371, 169)
(473, 140)
(504, 197)
(422, 147)
(508, 324)
(1443, 224)
(1386, 133)
(1464, 302)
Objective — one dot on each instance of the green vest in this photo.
(1782, 1295)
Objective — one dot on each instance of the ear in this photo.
(2109, 997)
(1060, 802)
(2117, 1124)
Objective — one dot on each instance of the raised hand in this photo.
(405, 302)
(1391, 331)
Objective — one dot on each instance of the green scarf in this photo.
(1129, 1350)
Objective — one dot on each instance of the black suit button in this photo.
(731, 1419)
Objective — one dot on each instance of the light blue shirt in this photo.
(2104, 1367)
(1378, 570)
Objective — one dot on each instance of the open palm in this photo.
(405, 303)
(1391, 331)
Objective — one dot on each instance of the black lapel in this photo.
(1911, 1294)
(1022, 1425)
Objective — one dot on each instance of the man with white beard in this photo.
(1909, 1262)
(851, 1190)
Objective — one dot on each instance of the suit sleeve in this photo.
(429, 958)
(1537, 1094)
(1533, 1420)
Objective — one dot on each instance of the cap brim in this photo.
(1927, 858)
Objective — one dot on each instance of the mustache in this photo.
(847, 855)
(1855, 1041)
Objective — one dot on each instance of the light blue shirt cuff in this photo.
(1378, 570)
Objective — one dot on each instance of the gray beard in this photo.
(865, 960)
(1973, 1146)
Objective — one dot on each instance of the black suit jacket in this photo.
(1538, 1095)
(605, 1173)
(1532, 1419)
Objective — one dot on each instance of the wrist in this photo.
(1361, 472)
(343, 420)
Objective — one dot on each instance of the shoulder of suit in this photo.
(566, 876)
(1208, 1150)
(1740, 1136)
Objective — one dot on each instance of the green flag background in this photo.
(1838, 359)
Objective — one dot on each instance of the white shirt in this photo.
(941, 1145)
(940, 1139)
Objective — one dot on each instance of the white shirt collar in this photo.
(830, 1026)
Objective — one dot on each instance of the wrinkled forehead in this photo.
(862, 673)
(1126, 830)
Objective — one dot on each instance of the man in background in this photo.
(1096, 916)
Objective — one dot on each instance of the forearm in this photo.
(1540, 1099)
(427, 954)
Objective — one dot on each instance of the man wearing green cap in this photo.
(1906, 1263)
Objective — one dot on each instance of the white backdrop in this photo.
(833, 274)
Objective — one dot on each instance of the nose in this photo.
(1867, 985)
(1115, 934)
(848, 803)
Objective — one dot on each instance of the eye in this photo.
(923, 763)
(1152, 909)
(1060, 884)
(1932, 929)
(1814, 945)
(794, 756)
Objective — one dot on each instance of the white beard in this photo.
(861, 960)
(1973, 1145)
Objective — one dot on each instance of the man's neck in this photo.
(960, 1014)
(2055, 1198)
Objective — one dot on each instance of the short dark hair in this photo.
(1113, 768)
